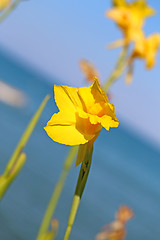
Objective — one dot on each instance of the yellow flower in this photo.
(146, 48)
(116, 230)
(4, 4)
(119, 3)
(130, 18)
(83, 113)
(89, 70)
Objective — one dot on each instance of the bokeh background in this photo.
(41, 43)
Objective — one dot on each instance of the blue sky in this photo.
(52, 36)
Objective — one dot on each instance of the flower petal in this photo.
(107, 122)
(91, 95)
(62, 128)
(66, 97)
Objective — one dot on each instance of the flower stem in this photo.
(25, 137)
(16, 168)
(117, 72)
(57, 192)
(74, 208)
(82, 179)
(9, 9)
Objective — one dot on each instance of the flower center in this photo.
(97, 109)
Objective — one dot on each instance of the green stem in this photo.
(25, 137)
(6, 181)
(9, 9)
(74, 208)
(57, 192)
(117, 72)
(82, 179)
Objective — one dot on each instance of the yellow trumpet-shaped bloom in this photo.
(147, 48)
(130, 18)
(83, 113)
(4, 4)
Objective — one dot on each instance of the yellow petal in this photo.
(91, 95)
(99, 94)
(66, 97)
(87, 97)
(63, 128)
(109, 110)
(88, 123)
(67, 117)
(107, 122)
(152, 44)
(119, 3)
(143, 9)
(88, 128)
(150, 61)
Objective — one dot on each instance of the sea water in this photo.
(125, 171)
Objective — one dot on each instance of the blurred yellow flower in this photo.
(146, 48)
(119, 3)
(130, 18)
(116, 230)
(4, 4)
(89, 70)
(83, 113)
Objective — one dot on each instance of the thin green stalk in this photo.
(82, 179)
(117, 72)
(51, 234)
(6, 181)
(8, 10)
(57, 192)
(25, 137)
